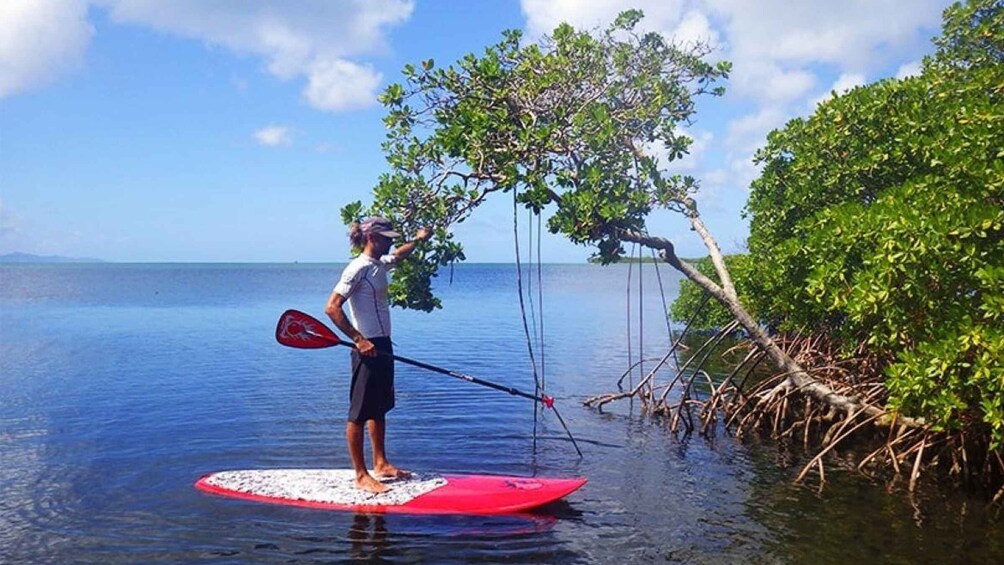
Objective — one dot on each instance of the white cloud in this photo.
(910, 69)
(853, 35)
(781, 49)
(39, 39)
(746, 135)
(273, 136)
(341, 85)
(694, 27)
(314, 39)
(782, 53)
(318, 40)
(542, 16)
(714, 188)
(848, 81)
(743, 171)
(774, 44)
(675, 19)
(844, 82)
(768, 82)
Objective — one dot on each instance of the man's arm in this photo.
(336, 312)
(405, 249)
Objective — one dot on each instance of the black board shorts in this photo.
(371, 394)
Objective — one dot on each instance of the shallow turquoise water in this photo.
(121, 384)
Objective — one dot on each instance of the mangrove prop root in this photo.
(898, 448)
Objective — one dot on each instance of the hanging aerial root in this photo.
(647, 396)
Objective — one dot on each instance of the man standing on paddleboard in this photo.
(364, 286)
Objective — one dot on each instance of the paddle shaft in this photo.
(296, 329)
(546, 400)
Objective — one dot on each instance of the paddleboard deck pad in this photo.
(421, 493)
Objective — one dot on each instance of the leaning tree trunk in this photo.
(796, 377)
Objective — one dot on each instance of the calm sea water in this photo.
(121, 384)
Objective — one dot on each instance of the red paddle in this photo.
(296, 329)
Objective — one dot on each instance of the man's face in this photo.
(381, 243)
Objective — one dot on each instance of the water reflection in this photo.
(368, 536)
(394, 538)
(854, 521)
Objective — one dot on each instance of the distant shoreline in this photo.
(22, 258)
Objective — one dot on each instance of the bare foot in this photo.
(369, 484)
(389, 471)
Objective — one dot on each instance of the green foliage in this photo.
(572, 125)
(880, 219)
(971, 36)
(713, 315)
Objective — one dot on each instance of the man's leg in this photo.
(383, 468)
(354, 437)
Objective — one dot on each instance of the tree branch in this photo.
(796, 377)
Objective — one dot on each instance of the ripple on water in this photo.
(121, 385)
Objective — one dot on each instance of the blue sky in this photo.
(213, 130)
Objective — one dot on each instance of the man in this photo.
(364, 285)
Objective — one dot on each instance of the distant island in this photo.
(29, 258)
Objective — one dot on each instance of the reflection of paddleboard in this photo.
(334, 489)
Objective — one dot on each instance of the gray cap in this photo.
(380, 225)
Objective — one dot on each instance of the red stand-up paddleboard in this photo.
(333, 489)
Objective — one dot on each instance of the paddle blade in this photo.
(296, 329)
